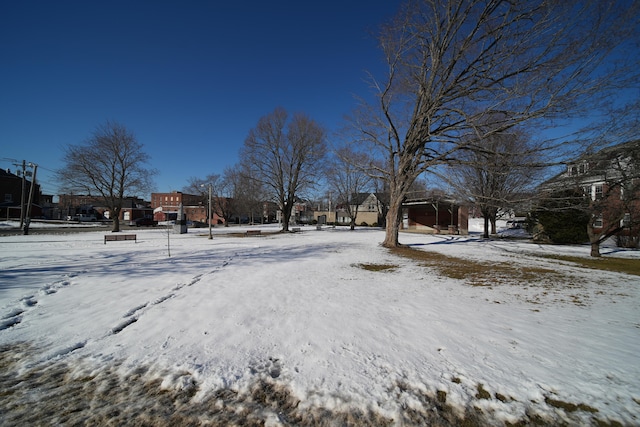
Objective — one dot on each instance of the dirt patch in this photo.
(477, 273)
(376, 267)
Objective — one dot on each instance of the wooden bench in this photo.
(119, 237)
(254, 232)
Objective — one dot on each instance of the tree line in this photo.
(469, 96)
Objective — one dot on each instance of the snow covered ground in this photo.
(297, 310)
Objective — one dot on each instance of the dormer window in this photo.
(575, 170)
(583, 168)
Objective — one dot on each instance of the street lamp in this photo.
(209, 185)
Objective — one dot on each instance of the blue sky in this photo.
(190, 78)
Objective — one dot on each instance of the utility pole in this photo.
(24, 185)
(209, 214)
(30, 202)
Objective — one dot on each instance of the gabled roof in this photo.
(359, 198)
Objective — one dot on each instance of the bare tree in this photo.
(286, 157)
(348, 177)
(496, 173)
(245, 194)
(112, 163)
(448, 61)
(226, 192)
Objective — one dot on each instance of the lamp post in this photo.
(209, 216)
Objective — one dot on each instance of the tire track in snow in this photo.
(134, 314)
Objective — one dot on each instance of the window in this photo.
(598, 192)
(597, 223)
(575, 170)
(626, 221)
(583, 168)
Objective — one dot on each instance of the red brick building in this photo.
(166, 205)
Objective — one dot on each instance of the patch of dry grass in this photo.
(376, 267)
(479, 273)
(620, 265)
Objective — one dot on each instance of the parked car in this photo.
(144, 222)
(82, 217)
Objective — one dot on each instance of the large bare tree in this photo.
(285, 156)
(112, 164)
(449, 61)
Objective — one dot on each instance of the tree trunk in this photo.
(594, 239)
(485, 217)
(116, 220)
(353, 223)
(394, 218)
(286, 216)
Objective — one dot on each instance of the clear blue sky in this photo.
(189, 78)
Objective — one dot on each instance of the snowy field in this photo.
(289, 329)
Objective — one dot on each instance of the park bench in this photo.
(254, 232)
(119, 237)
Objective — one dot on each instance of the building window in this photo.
(626, 221)
(598, 192)
(597, 223)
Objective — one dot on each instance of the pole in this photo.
(210, 235)
(24, 185)
(29, 203)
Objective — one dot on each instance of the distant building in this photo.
(369, 209)
(165, 207)
(71, 205)
(11, 186)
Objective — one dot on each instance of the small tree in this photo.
(286, 157)
(495, 171)
(112, 163)
(247, 193)
(348, 177)
(226, 192)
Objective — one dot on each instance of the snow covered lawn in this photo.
(304, 329)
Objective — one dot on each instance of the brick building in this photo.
(11, 192)
(166, 205)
